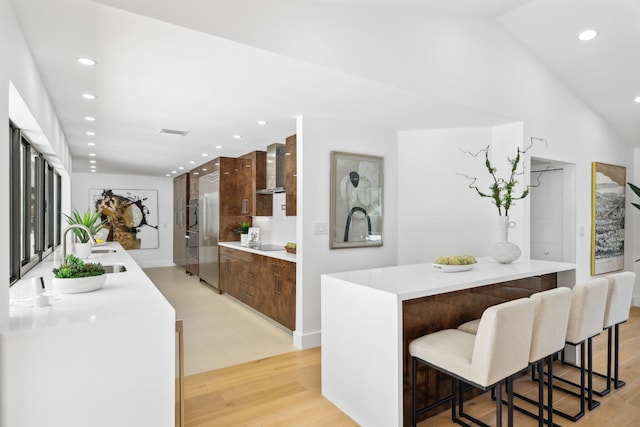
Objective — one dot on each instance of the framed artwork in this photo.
(132, 216)
(254, 237)
(607, 217)
(357, 186)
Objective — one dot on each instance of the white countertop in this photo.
(283, 255)
(420, 280)
(127, 294)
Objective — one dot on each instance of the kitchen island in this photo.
(102, 359)
(370, 316)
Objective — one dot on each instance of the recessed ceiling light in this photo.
(91, 144)
(92, 166)
(192, 161)
(92, 154)
(168, 174)
(174, 172)
(90, 119)
(87, 61)
(93, 170)
(180, 167)
(88, 96)
(262, 122)
(204, 169)
(196, 173)
(219, 147)
(217, 163)
(587, 35)
(91, 133)
(92, 161)
(205, 155)
(637, 99)
(237, 136)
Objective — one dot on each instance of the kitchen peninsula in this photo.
(102, 359)
(370, 316)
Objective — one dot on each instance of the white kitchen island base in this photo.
(364, 331)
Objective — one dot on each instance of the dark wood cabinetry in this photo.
(180, 219)
(291, 175)
(252, 176)
(264, 283)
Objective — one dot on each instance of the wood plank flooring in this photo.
(284, 390)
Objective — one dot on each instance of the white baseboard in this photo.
(304, 341)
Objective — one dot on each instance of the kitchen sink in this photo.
(115, 268)
(103, 251)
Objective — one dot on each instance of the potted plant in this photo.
(92, 221)
(75, 276)
(243, 230)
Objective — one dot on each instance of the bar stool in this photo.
(550, 321)
(588, 302)
(499, 350)
(620, 292)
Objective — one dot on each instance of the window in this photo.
(35, 206)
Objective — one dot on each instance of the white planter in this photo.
(244, 239)
(82, 250)
(504, 251)
(79, 285)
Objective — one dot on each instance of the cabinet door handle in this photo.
(277, 285)
(245, 206)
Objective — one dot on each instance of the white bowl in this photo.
(79, 285)
(452, 268)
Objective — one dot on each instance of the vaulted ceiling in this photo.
(215, 68)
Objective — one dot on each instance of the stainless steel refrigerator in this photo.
(209, 220)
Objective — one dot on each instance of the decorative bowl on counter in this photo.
(452, 268)
(290, 247)
(79, 285)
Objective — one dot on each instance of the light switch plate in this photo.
(320, 228)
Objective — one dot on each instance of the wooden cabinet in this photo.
(180, 219)
(252, 176)
(291, 175)
(264, 283)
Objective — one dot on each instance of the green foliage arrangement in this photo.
(242, 228)
(91, 220)
(501, 189)
(636, 190)
(74, 267)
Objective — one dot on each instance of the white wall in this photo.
(278, 228)
(316, 138)
(81, 183)
(18, 69)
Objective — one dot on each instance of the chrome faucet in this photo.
(64, 238)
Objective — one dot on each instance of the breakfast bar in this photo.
(370, 316)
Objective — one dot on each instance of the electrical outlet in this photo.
(320, 228)
(283, 207)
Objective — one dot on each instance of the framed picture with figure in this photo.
(357, 184)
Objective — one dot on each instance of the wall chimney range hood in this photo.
(276, 172)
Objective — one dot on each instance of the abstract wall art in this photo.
(607, 217)
(132, 216)
(356, 200)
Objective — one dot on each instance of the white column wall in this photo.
(316, 138)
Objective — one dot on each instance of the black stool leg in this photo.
(499, 405)
(541, 394)
(549, 389)
(617, 383)
(592, 403)
(414, 378)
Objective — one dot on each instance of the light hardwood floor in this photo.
(284, 390)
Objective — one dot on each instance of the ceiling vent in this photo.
(173, 132)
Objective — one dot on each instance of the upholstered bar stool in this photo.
(550, 321)
(498, 350)
(620, 292)
(588, 302)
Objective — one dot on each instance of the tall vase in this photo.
(504, 251)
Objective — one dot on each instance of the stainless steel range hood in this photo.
(276, 173)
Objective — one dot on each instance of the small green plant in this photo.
(242, 228)
(74, 267)
(91, 220)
